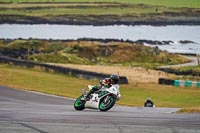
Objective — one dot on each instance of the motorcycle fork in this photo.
(106, 99)
(83, 92)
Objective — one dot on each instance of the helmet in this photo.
(148, 99)
(114, 79)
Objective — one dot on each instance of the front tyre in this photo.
(79, 104)
(106, 103)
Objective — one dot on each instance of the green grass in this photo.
(163, 96)
(172, 3)
(189, 110)
(190, 68)
(132, 95)
(83, 11)
(41, 81)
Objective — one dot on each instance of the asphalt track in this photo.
(28, 112)
(193, 62)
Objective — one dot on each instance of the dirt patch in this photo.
(135, 75)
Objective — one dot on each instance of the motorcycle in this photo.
(103, 99)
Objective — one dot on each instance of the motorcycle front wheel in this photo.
(79, 104)
(106, 103)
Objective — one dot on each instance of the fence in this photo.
(186, 83)
(183, 83)
(59, 69)
(179, 72)
(165, 81)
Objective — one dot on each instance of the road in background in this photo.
(193, 62)
(28, 112)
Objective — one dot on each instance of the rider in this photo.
(149, 103)
(107, 83)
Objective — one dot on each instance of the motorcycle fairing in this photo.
(93, 103)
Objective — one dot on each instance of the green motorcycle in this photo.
(103, 100)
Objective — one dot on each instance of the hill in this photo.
(88, 52)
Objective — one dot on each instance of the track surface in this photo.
(28, 112)
(193, 62)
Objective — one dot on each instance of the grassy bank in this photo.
(132, 94)
(188, 72)
(36, 80)
(189, 110)
(189, 68)
(177, 3)
(84, 9)
(100, 12)
(88, 52)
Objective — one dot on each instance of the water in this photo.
(174, 33)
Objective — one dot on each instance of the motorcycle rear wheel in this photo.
(79, 104)
(108, 104)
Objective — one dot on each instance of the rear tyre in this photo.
(105, 105)
(79, 104)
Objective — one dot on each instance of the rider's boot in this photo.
(86, 96)
(84, 93)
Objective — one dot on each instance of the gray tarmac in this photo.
(193, 62)
(30, 112)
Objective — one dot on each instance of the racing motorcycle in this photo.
(103, 99)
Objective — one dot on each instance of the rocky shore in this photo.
(99, 20)
(141, 41)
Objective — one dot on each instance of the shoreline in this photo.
(104, 20)
(133, 23)
(137, 42)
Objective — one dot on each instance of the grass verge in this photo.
(62, 85)
(190, 110)
(172, 3)
(91, 12)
